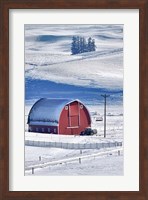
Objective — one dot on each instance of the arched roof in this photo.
(48, 110)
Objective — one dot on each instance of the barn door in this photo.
(74, 114)
(74, 121)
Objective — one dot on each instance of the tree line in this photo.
(81, 45)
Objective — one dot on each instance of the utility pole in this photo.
(105, 97)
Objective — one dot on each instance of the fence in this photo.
(73, 145)
(79, 159)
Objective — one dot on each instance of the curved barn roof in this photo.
(48, 110)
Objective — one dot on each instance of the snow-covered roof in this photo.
(47, 110)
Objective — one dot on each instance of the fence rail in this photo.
(78, 158)
(73, 145)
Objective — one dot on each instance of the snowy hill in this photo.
(89, 70)
(49, 63)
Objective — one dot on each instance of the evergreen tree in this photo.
(93, 46)
(74, 45)
(84, 45)
(89, 46)
(79, 45)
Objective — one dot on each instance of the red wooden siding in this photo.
(74, 120)
(74, 109)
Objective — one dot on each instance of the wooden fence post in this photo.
(80, 160)
(32, 170)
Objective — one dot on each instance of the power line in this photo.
(105, 96)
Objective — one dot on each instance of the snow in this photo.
(44, 123)
(99, 167)
(110, 166)
(61, 163)
(52, 72)
(104, 165)
(48, 56)
(100, 71)
(68, 138)
(47, 110)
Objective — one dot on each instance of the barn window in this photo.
(54, 130)
(66, 107)
(81, 106)
(48, 130)
(37, 129)
(42, 129)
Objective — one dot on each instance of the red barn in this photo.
(59, 116)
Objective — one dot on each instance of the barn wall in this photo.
(77, 115)
(43, 129)
(64, 122)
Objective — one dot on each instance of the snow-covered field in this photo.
(108, 164)
(100, 73)
(52, 72)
